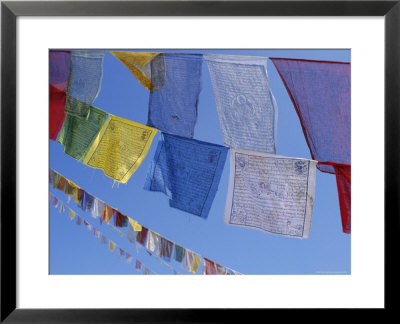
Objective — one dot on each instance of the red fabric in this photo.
(343, 180)
(209, 267)
(141, 237)
(320, 92)
(59, 68)
(56, 112)
(120, 220)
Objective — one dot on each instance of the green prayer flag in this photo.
(77, 134)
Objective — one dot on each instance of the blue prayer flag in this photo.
(188, 172)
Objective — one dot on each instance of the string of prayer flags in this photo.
(147, 67)
(56, 111)
(320, 92)
(246, 107)
(191, 261)
(179, 253)
(188, 171)
(166, 249)
(271, 193)
(119, 148)
(84, 82)
(59, 67)
(173, 108)
(153, 242)
(77, 134)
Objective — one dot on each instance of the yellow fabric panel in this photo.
(71, 214)
(196, 264)
(136, 226)
(120, 148)
(139, 65)
(111, 246)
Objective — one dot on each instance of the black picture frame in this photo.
(10, 10)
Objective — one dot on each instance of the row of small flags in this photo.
(154, 244)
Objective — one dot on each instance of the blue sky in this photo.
(74, 250)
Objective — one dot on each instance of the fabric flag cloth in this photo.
(146, 271)
(135, 225)
(246, 107)
(97, 208)
(128, 257)
(79, 220)
(69, 188)
(121, 252)
(55, 202)
(141, 237)
(87, 201)
(96, 232)
(78, 196)
(270, 192)
(120, 220)
(343, 180)
(84, 82)
(166, 249)
(62, 208)
(88, 226)
(179, 253)
(138, 265)
(106, 214)
(220, 270)
(320, 92)
(51, 177)
(120, 148)
(131, 234)
(59, 68)
(111, 246)
(56, 111)
(208, 267)
(147, 67)
(60, 182)
(188, 171)
(77, 134)
(153, 242)
(71, 214)
(103, 239)
(173, 108)
(191, 261)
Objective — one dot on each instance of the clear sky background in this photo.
(75, 250)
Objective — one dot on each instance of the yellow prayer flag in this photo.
(150, 74)
(120, 148)
(196, 264)
(136, 226)
(71, 214)
(111, 246)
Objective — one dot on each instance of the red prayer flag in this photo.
(59, 68)
(141, 237)
(56, 112)
(343, 180)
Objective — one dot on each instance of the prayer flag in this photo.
(148, 68)
(107, 213)
(179, 253)
(270, 192)
(321, 95)
(62, 208)
(131, 234)
(71, 214)
(78, 196)
(103, 239)
(166, 249)
(120, 148)
(56, 111)
(121, 252)
(191, 261)
(79, 220)
(141, 237)
(84, 82)
(69, 188)
(59, 68)
(138, 265)
(87, 201)
(146, 271)
(188, 171)
(97, 208)
(96, 233)
(135, 225)
(128, 257)
(246, 107)
(55, 202)
(111, 246)
(173, 108)
(343, 180)
(208, 267)
(60, 182)
(120, 220)
(77, 134)
(220, 270)
(153, 242)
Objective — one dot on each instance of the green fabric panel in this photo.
(77, 134)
